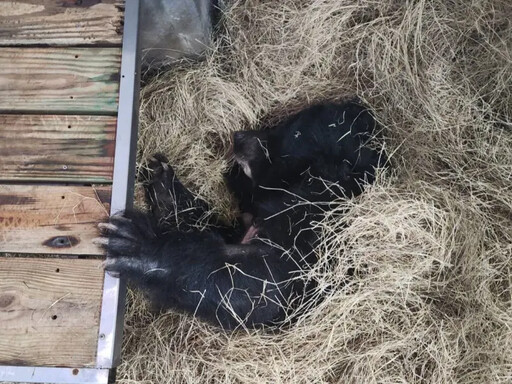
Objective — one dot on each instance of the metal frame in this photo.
(112, 307)
(114, 289)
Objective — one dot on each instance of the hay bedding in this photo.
(432, 239)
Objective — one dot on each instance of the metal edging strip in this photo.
(54, 375)
(114, 289)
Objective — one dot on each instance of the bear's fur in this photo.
(284, 178)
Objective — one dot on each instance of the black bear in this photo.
(284, 179)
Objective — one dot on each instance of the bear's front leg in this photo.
(197, 272)
(173, 205)
(131, 243)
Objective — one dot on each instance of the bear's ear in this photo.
(250, 145)
(250, 150)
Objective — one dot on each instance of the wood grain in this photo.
(65, 22)
(51, 219)
(57, 148)
(49, 311)
(59, 80)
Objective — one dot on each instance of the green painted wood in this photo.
(57, 148)
(59, 80)
(64, 22)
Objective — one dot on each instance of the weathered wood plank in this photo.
(57, 148)
(49, 311)
(65, 22)
(51, 219)
(59, 80)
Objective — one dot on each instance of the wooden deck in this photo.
(59, 95)
(54, 310)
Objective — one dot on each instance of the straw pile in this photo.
(432, 239)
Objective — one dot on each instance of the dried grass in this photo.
(432, 239)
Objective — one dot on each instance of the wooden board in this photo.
(49, 311)
(57, 148)
(59, 80)
(51, 219)
(65, 22)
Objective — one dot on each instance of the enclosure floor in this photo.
(58, 112)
